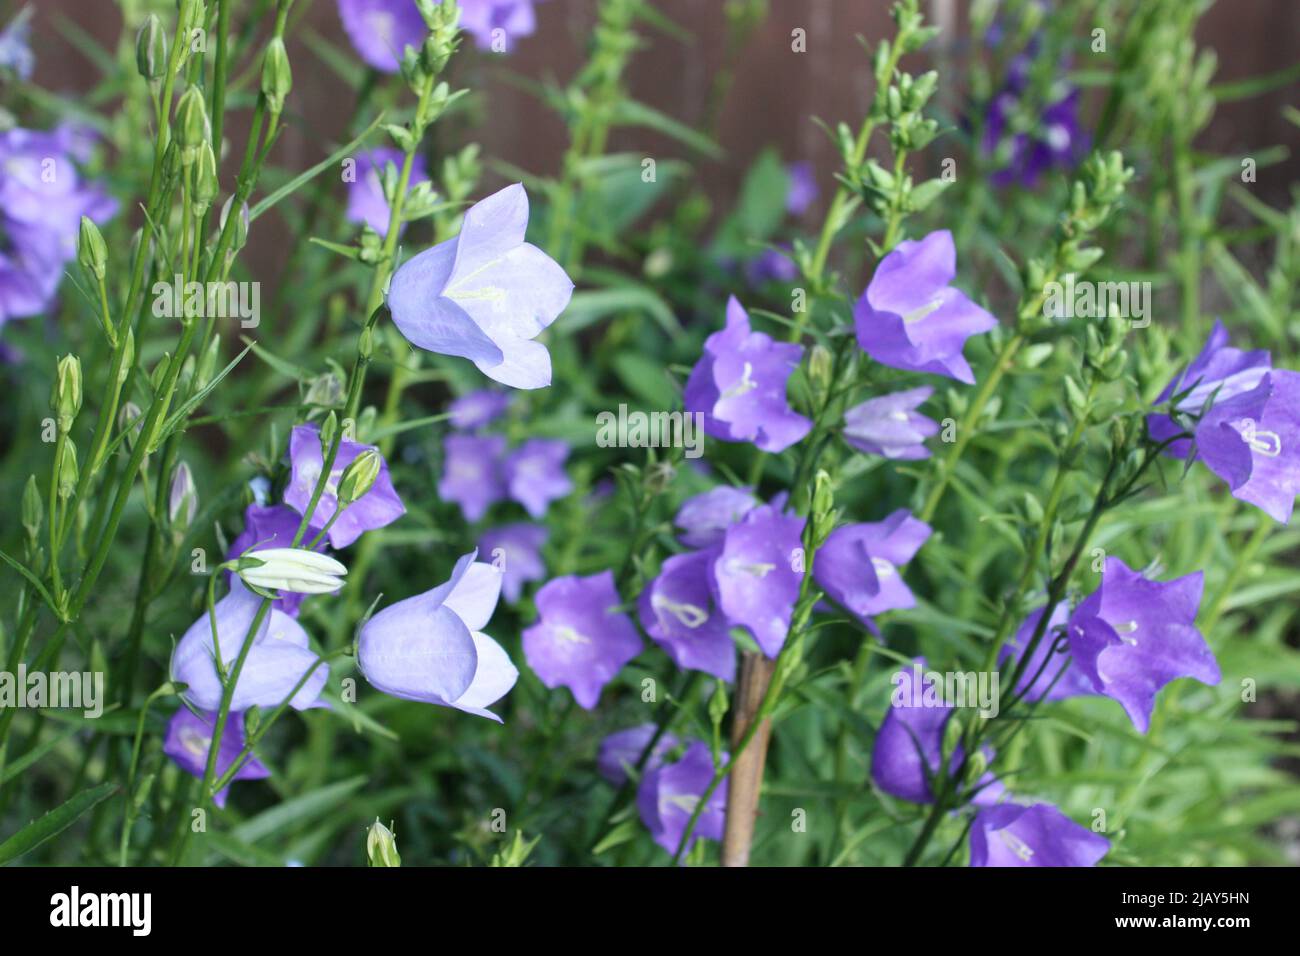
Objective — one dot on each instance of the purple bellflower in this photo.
(669, 794)
(910, 317)
(739, 386)
(858, 565)
(1056, 140)
(476, 409)
(378, 507)
(890, 426)
(366, 202)
(431, 647)
(534, 474)
(803, 190)
(1133, 635)
(755, 580)
(1011, 834)
(678, 611)
(620, 751)
(1050, 674)
(471, 473)
(15, 45)
(381, 30)
(485, 294)
(705, 518)
(189, 741)
(517, 550)
(278, 660)
(271, 526)
(483, 18)
(580, 640)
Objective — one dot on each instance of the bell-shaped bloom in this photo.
(517, 550)
(705, 518)
(1221, 372)
(739, 386)
(620, 751)
(366, 202)
(803, 191)
(189, 741)
(580, 640)
(910, 317)
(377, 507)
(669, 794)
(1252, 441)
(534, 474)
(279, 658)
(1011, 834)
(475, 409)
(484, 295)
(678, 611)
(381, 30)
(271, 526)
(1133, 635)
(890, 426)
(431, 647)
(1050, 674)
(758, 572)
(858, 566)
(471, 473)
(497, 24)
(909, 745)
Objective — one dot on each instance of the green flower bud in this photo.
(33, 509)
(151, 48)
(328, 429)
(381, 846)
(65, 400)
(182, 498)
(68, 470)
(277, 79)
(291, 569)
(359, 476)
(92, 252)
(205, 179)
(191, 124)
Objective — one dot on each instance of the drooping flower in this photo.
(889, 426)
(378, 507)
(381, 30)
(678, 611)
(471, 473)
(705, 518)
(580, 640)
(1011, 834)
(1133, 635)
(42, 200)
(739, 386)
(909, 745)
(1252, 441)
(620, 751)
(1025, 139)
(476, 409)
(366, 202)
(15, 45)
(1050, 674)
(278, 659)
(482, 19)
(431, 647)
(858, 565)
(803, 191)
(271, 526)
(189, 742)
(534, 474)
(517, 550)
(484, 295)
(669, 794)
(910, 317)
(1221, 372)
(754, 574)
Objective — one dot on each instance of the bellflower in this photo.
(278, 660)
(889, 425)
(669, 794)
(272, 526)
(580, 640)
(189, 741)
(739, 386)
(476, 409)
(620, 751)
(705, 518)
(534, 474)
(1220, 371)
(517, 550)
(471, 473)
(1133, 635)
(1056, 140)
(1252, 441)
(381, 30)
(378, 507)
(366, 202)
(679, 613)
(910, 317)
(1011, 834)
(803, 190)
(754, 576)
(15, 45)
(484, 295)
(482, 18)
(1060, 678)
(909, 745)
(431, 648)
(858, 565)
